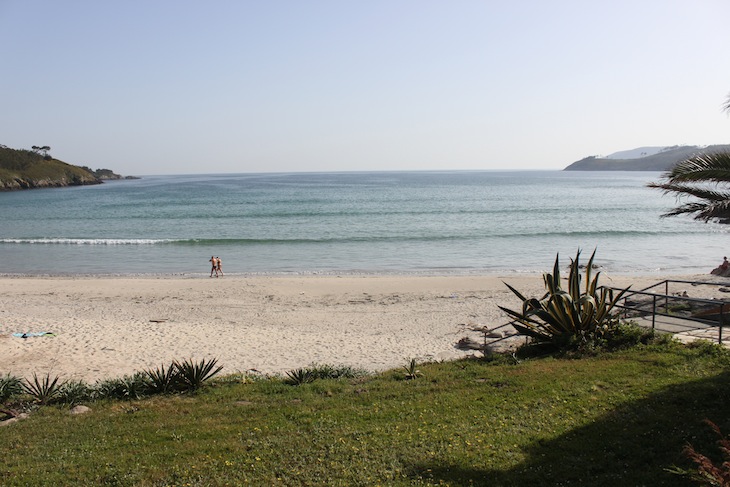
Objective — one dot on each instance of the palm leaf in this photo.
(694, 177)
(714, 167)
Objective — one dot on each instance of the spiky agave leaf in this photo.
(517, 293)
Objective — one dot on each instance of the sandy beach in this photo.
(108, 327)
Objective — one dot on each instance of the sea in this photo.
(354, 223)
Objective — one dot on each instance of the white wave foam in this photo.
(84, 241)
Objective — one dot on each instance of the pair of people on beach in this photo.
(216, 266)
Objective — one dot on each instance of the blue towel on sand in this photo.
(33, 334)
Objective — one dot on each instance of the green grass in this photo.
(612, 419)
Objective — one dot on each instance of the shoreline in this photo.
(107, 327)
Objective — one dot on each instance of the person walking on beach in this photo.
(214, 266)
(218, 267)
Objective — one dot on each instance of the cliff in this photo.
(660, 161)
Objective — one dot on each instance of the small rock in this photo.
(80, 410)
(14, 420)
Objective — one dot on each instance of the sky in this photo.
(189, 87)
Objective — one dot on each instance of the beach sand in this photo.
(109, 327)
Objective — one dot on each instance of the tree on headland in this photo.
(704, 176)
(43, 150)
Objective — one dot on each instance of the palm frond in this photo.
(688, 190)
(712, 166)
(703, 211)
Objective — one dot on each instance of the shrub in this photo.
(322, 371)
(128, 387)
(327, 371)
(134, 386)
(108, 389)
(10, 386)
(566, 319)
(709, 472)
(75, 391)
(626, 335)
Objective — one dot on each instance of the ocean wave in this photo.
(337, 239)
(84, 241)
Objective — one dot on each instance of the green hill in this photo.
(24, 169)
(661, 161)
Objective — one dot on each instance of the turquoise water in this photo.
(353, 223)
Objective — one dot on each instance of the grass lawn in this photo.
(614, 419)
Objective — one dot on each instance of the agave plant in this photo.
(300, 376)
(44, 390)
(163, 380)
(192, 375)
(562, 317)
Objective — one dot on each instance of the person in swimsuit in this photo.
(218, 267)
(214, 263)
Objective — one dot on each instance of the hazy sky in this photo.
(174, 87)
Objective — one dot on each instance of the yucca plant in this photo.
(300, 376)
(44, 390)
(411, 369)
(163, 380)
(565, 318)
(192, 375)
(10, 386)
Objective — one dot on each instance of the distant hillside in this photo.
(662, 160)
(25, 169)
(636, 153)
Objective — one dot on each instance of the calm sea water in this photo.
(357, 223)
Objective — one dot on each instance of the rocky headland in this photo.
(31, 169)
